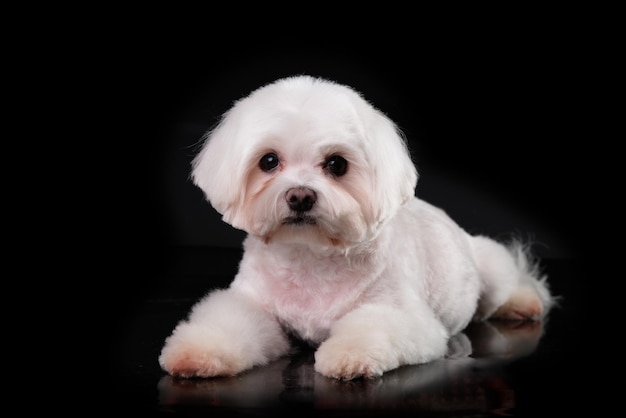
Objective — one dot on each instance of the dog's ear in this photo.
(394, 175)
(218, 169)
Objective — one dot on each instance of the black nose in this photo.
(300, 199)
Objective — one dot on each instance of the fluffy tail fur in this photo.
(512, 285)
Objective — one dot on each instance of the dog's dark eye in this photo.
(336, 165)
(268, 162)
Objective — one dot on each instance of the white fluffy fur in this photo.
(376, 279)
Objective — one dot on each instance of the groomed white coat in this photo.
(339, 253)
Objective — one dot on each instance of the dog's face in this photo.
(306, 160)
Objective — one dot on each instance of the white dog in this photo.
(339, 253)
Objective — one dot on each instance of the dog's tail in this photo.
(512, 285)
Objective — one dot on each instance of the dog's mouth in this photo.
(299, 219)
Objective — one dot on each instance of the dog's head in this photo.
(307, 160)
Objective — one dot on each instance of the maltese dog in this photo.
(339, 252)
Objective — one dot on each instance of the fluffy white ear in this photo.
(394, 175)
(218, 168)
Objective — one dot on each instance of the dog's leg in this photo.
(225, 334)
(376, 338)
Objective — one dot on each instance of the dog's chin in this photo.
(300, 219)
(304, 229)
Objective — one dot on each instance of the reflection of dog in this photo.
(339, 251)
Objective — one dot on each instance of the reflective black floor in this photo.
(492, 369)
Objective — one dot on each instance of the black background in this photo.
(490, 101)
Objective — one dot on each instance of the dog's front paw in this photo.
(190, 352)
(197, 363)
(348, 359)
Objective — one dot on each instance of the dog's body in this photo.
(340, 252)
